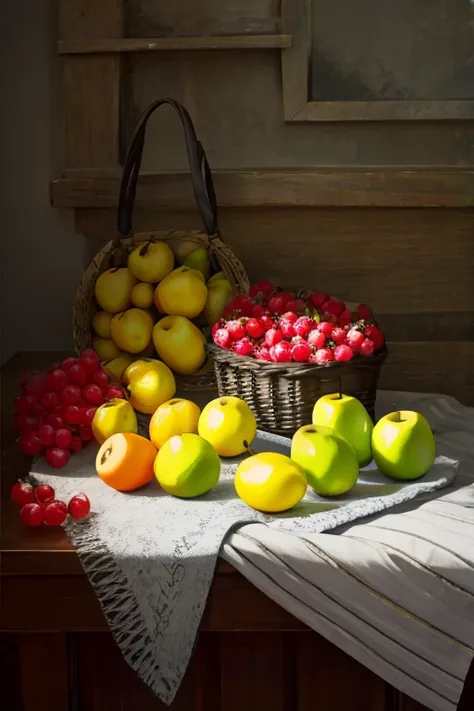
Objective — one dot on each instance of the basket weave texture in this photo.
(282, 395)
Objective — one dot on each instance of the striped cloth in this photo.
(397, 591)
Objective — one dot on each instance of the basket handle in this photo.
(201, 176)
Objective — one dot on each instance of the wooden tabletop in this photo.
(30, 551)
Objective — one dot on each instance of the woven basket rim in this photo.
(222, 355)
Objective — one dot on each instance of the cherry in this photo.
(262, 353)
(222, 338)
(303, 325)
(57, 457)
(318, 299)
(76, 444)
(89, 360)
(343, 353)
(236, 330)
(258, 311)
(264, 288)
(77, 374)
(100, 378)
(63, 438)
(325, 327)
(243, 347)
(93, 395)
(272, 337)
(79, 506)
(55, 421)
(73, 414)
(333, 307)
(59, 410)
(49, 401)
(44, 493)
(375, 335)
(55, 513)
(300, 352)
(317, 339)
(354, 338)
(338, 335)
(71, 394)
(30, 444)
(87, 415)
(345, 318)
(115, 391)
(35, 385)
(266, 321)
(281, 352)
(46, 435)
(297, 305)
(56, 380)
(322, 356)
(86, 434)
(68, 363)
(24, 404)
(25, 423)
(23, 493)
(32, 514)
(287, 328)
(364, 312)
(289, 316)
(366, 347)
(254, 328)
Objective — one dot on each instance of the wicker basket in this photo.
(115, 253)
(282, 395)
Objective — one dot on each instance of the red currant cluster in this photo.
(39, 505)
(282, 327)
(54, 412)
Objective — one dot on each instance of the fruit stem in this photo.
(247, 448)
(145, 248)
(397, 413)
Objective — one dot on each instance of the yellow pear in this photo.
(151, 262)
(199, 259)
(131, 330)
(173, 418)
(150, 383)
(101, 323)
(180, 344)
(113, 288)
(116, 415)
(105, 348)
(181, 293)
(116, 367)
(219, 293)
(142, 295)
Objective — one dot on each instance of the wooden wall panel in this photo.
(148, 18)
(236, 102)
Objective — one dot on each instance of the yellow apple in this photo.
(187, 466)
(181, 293)
(101, 323)
(229, 425)
(174, 417)
(219, 294)
(180, 344)
(151, 262)
(199, 259)
(270, 482)
(142, 295)
(131, 330)
(113, 289)
(116, 367)
(150, 383)
(105, 348)
(116, 415)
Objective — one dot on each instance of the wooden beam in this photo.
(345, 187)
(171, 44)
(458, 110)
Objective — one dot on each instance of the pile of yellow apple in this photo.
(185, 446)
(159, 302)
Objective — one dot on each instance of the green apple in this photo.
(348, 418)
(403, 445)
(329, 461)
(187, 465)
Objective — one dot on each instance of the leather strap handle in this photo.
(201, 176)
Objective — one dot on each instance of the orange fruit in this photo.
(125, 461)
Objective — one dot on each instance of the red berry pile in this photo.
(308, 327)
(39, 505)
(54, 412)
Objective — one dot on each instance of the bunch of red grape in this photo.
(39, 505)
(54, 412)
(281, 327)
